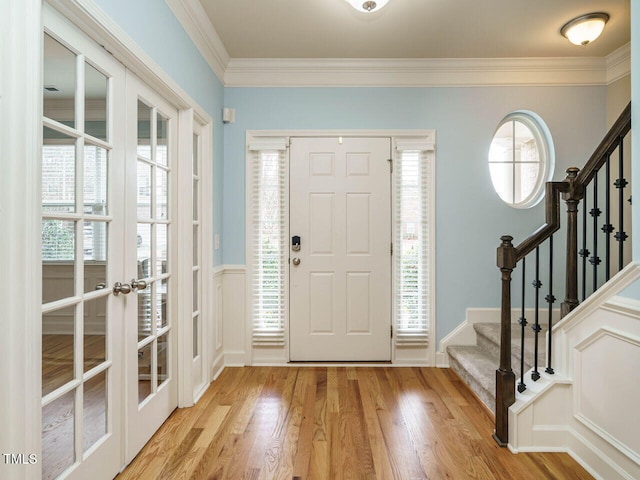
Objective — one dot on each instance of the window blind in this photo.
(268, 242)
(59, 195)
(411, 243)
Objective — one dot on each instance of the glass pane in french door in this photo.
(77, 256)
(153, 225)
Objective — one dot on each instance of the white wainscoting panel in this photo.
(589, 407)
(234, 315)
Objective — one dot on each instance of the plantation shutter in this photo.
(411, 242)
(268, 240)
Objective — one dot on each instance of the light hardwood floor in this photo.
(335, 423)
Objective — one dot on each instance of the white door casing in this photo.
(340, 291)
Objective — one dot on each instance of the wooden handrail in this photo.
(572, 189)
(553, 189)
(608, 144)
(552, 219)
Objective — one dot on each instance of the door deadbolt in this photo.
(295, 243)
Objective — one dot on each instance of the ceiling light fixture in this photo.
(367, 6)
(585, 29)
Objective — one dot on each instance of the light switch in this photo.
(216, 241)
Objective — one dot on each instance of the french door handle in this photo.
(138, 284)
(123, 288)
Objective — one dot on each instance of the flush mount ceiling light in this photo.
(367, 6)
(585, 29)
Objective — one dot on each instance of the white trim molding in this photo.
(618, 63)
(427, 72)
(20, 246)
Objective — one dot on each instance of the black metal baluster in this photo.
(550, 301)
(584, 253)
(523, 323)
(595, 213)
(620, 235)
(607, 228)
(535, 375)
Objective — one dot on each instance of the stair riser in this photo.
(487, 397)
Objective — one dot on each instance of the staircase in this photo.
(476, 364)
(593, 246)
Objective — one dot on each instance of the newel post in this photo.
(505, 378)
(572, 197)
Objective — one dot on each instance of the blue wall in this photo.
(470, 217)
(152, 25)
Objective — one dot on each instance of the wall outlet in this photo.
(216, 241)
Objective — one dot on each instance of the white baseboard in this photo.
(235, 359)
(217, 367)
(558, 438)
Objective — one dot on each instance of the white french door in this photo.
(82, 255)
(109, 362)
(150, 318)
(340, 275)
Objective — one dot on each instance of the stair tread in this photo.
(491, 331)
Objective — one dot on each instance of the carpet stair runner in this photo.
(477, 364)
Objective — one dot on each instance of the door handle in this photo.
(123, 288)
(296, 261)
(138, 284)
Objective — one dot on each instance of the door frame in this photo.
(21, 92)
(279, 356)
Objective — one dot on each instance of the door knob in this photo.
(123, 288)
(138, 284)
(296, 261)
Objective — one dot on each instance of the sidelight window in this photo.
(268, 261)
(412, 194)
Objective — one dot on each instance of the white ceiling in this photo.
(411, 28)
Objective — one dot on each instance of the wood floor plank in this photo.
(284, 423)
(369, 392)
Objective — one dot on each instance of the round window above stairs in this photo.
(521, 159)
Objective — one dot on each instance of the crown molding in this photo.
(435, 72)
(195, 22)
(618, 63)
(410, 72)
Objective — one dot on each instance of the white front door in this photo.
(340, 278)
(151, 360)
